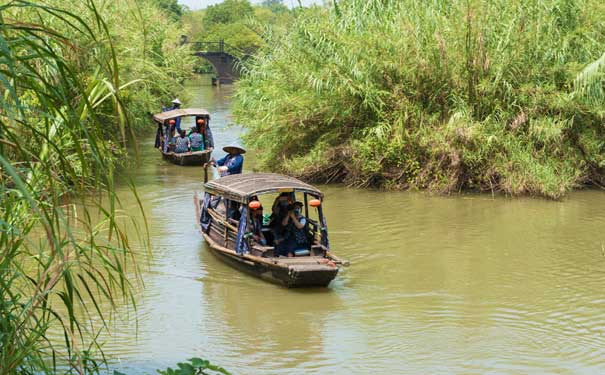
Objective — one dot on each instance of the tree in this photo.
(229, 11)
(276, 6)
(172, 8)
(237, 35)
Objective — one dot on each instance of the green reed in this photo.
(73, 96)
(445, 95)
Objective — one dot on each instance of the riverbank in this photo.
(500, 96)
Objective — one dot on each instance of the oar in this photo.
(209, 162)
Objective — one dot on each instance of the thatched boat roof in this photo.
(163, 116)
(239, 187)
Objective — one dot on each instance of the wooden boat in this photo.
(188, 158)
(232, 241)
(166, 124)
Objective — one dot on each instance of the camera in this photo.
(285, 206)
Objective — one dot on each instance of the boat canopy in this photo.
(240, 187)
(175, 113)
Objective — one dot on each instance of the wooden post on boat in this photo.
(205, 172)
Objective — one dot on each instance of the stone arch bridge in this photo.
(218, 54)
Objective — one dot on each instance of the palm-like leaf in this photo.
(590, 82)
(57, 269)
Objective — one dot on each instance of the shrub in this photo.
(500, 95)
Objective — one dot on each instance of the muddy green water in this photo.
(466, 284)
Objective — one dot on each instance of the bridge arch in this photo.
(223, 62)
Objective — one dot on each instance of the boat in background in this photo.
(166, 122)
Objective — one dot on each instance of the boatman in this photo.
(176, 104)
(231, 163)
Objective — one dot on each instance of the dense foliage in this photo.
(77, 79)
(239, 23)
(446, 95)
(171, 8)
(229, 11)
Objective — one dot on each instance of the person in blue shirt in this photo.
(231, 163)
(290, 229)
(257, 226)
(182, 143)
(298, 227)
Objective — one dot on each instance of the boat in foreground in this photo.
(167, 124)
(226, 222)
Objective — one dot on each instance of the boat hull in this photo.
(197, 158)
(274, 270)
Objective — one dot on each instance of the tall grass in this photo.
(445, 95)
(68, 107)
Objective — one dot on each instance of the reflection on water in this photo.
(438, 285)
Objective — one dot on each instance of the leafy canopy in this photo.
(275, 6)
(238, 23)
(229, 11)
(172, 8)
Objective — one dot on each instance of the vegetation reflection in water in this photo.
(463, 284)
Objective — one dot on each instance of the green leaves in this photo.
(195, 366)
(366, 91)
(199, 363)
(590, 82)
(228, 11)
(75, 80)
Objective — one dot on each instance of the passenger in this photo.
(281, 235)
(231, 163)
(280, 226)
(233, 211)
(204, 129)
(279, 210)
(200, 124)
(165, 141)
(298, 226)
(280, 198)
(172, 141)
(159, 137)
(257, 226)
(182, 143)
(196, 140)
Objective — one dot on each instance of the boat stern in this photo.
(311, 275)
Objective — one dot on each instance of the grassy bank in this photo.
(494, 96)
(77, 81)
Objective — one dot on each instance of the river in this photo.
(463, 284)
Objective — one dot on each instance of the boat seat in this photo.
(263, 249)
(301, 252)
